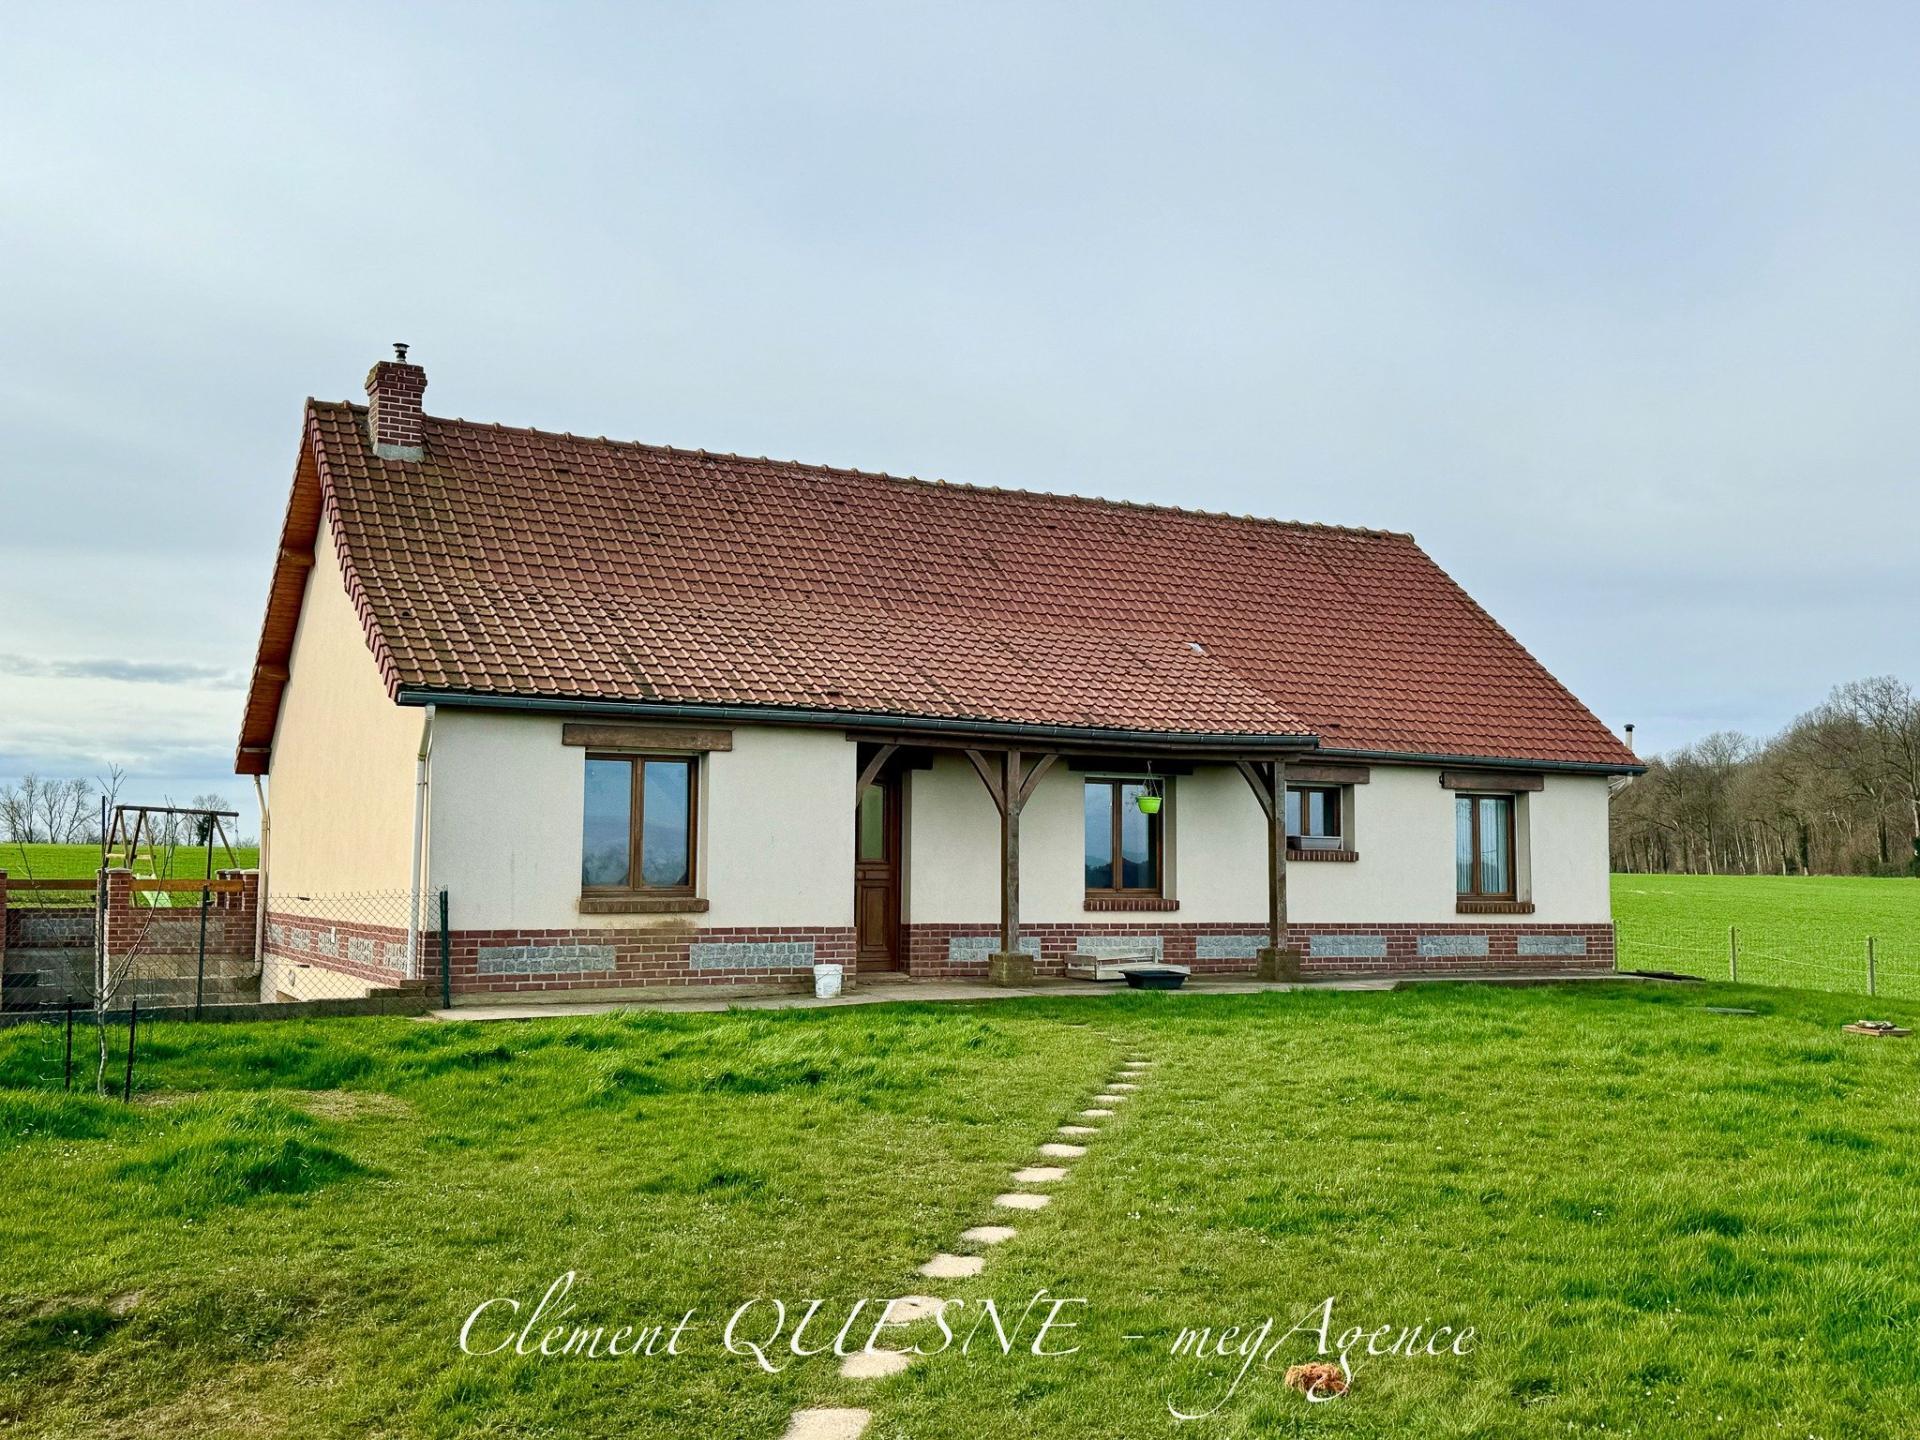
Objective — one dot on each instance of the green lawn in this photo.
(1660, 1221)
(1793, 930)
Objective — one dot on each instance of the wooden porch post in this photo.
(1010, 863)
(1278, 959)
(1010, 787)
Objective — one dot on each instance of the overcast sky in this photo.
(1613, 306)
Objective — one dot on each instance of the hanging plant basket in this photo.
(1149, 804)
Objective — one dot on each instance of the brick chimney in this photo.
(394, 393)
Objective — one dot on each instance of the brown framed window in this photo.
(1483, 847)
(1123, 842)
(639, 825)
(1314, 814)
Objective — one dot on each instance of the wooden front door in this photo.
(876, 876)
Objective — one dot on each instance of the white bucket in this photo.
(826, 981)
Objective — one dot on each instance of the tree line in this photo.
(43, 810)
(1835, 793)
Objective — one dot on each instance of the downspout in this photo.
(260, 888)
(419, 843)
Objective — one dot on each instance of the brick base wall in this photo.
(960, 951)
(514, 961)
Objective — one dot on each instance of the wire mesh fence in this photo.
(177, 954)
(1807, 957)
(349, 946)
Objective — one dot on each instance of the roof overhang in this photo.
(1483, 762)
(921, 729)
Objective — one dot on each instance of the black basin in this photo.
(1156, 979)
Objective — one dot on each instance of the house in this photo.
(662, 717)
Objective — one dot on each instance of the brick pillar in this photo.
(119, 926)
(246, 913)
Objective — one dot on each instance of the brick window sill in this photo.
(1493, 907)
(1312, 855)
(642, 905)
(1136, 903)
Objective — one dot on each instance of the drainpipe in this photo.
(419, 843)
(260, 889)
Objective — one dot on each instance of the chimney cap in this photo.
(400, 351)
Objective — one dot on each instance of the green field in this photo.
(284, 1233)
(1808, 930)
(76, 862)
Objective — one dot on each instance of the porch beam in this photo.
(989, 779)
(872, 769)
(1040, 767)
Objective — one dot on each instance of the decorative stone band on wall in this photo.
(545, 959)
(1438, 947)
(751, 955)
(620, 957)
(346, 944)
(1551, 945)
(960, 951)
(1229, 947)
(1347, 947)
(964, 949)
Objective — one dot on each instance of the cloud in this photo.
(139, 672)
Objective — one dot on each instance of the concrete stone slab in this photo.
(1040, 1174)
(1079, 1129)
(952, 1267)
(988, 1234)
(1020, 1201)
(828, 1424)
(1063, 1152)
(1122, 1085)
(908, 1309)
(1096, 1114)
(874, 1364)
(1109, 1099)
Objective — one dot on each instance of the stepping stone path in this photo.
(953, 1267)
(1040, 1174)
(826, 1424)
(906, 1309)
(1018, 1201)
(988, 1234)
(874, 1364)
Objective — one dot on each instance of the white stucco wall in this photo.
(1402, 822)
(776, 827)
(340, 785)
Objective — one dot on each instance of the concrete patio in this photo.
(896, 989)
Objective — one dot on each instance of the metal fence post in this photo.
(446, 953)
(69, 1080)
(1871, 979)
(133, 1021)
(1733, 953)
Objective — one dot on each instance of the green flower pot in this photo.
(1149, 804)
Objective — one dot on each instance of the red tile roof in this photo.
(520, 563)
